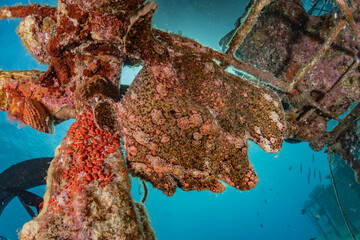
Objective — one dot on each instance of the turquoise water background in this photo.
(272, 210)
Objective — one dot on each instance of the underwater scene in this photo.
(186, 119)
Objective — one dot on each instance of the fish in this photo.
(313, 158)
(290, 168)
(13, 184)
(309, 179)
(300, 168)
(261, 225)
(319, 175)
(265, 201)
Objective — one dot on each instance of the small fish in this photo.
(300, 168)
(313, 158)
(265, 201)
(320, 176)
(290, 168)
(261, 225)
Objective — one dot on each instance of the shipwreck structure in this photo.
(185, 121)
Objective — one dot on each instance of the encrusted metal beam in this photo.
(317, 56)
(319, 106)
(349, 18)
(23, 11)
(350, 119)
(246, 25)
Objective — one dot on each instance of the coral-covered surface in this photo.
(88, 190)
(26, 99)
(284, 39)
(192, 130)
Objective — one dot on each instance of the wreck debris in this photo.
(184, 121)
(23, 11)
(349, 18)
(322, 68)
(246, 26)
(318, 55)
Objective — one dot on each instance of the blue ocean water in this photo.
(272, 210)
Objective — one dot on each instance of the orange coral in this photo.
(88, 149)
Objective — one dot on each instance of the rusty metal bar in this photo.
(322, 109)
(350, 119)
(265, 77)
(349, 18)
(316, 57)
(318, 105)
(23, 11)
(246, 26)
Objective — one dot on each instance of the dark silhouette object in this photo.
(16, 179)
